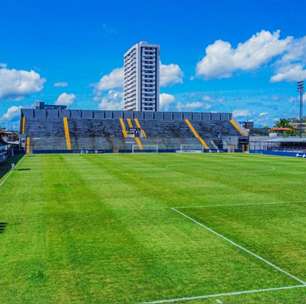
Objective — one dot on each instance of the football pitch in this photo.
(153, 228)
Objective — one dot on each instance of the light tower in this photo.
(300, 86)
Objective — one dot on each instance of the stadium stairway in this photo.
(196, 134)
(67, 133)
(134, 132)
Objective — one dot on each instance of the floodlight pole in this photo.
(300, 86)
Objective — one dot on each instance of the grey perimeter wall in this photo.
(55, 115)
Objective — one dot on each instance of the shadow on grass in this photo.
(7, 165)
(2, 227)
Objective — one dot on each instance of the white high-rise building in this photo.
(141, 77)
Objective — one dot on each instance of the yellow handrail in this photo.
(67, 133)
(130, 124)
(23, 125)
(196, 134)
(238, 128)
(138, 142)
(28, 145)
(123, 128)
(139, 127)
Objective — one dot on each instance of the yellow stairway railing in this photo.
(196, 134)
(67, 133)
(238, 128)
(23, 125)
(138, 125)
(123, 128)
(28, 145)
(130, 124)
(138, 142)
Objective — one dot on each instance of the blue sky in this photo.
(240, 56)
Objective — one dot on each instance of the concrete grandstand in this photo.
(49, 128)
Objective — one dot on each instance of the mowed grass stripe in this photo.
(91, 250)
(165, 242)
(209, 179)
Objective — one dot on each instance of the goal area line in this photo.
(225, 294)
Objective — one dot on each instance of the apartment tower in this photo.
(141, 77)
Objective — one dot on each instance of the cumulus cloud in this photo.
(296, 51)
(290, 72)
(11, 113)
(111, 81)
(291, 66)
(112, 101)
(170, 74)
(65, 99)
(19, 83)
(60, 84)
(221, 60)
(165, 100)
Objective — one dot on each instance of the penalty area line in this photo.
(240, 247)
(225, 294)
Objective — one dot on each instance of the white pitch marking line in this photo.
(3, 180)
(225, 294)
(237, 205)
(240, 247)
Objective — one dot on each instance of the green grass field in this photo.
(210, 228)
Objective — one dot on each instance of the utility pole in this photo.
(300, 86)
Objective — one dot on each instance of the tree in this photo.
(285, 123)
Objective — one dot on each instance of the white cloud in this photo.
(190, 106)
(165, 100)
(111, 81)
(170, 74)
(11, 113)
(222, 60)
(19, 83)
(3, 65)
(296, 51)
(112, 101)
(239, 113)
(65, 99)
(290, 72)
(291, 67)
(60, 84)
(263, 114)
